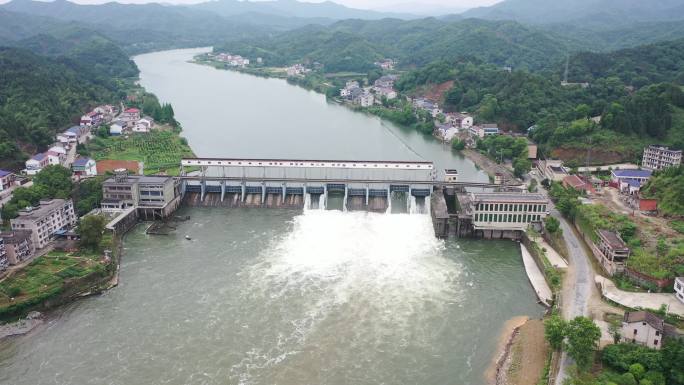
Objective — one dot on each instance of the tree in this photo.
(554, 331)
(615, 330)
(457, 144)
(637, 370)
(582, 336)
(552, 224)
(90, 229)
(56, 180)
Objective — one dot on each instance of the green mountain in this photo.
(40, 95)
(138, 27)
(639, 66)
(584, 12)
(353, 45)
(293, 8)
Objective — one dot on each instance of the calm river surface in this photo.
(283, 297)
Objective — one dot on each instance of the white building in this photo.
(44, 220)
(657, 157)
(117, 128)
(36, 164)
(84, 166)
(367, 100)
(460, 120)
(679, 288)
(506, 210)
(643, 328)
(388, 93)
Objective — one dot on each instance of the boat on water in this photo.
(188, 238)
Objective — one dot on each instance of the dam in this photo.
(297, 183)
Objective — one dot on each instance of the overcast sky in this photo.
(366, 4)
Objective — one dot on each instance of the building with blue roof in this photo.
(630, 181)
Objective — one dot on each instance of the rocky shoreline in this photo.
(22, 326)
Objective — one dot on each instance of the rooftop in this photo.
(81, 161)
(132, 110)
(4, 173)
(514, 197)
(44, 208)
(662, 147)
(644, 316)
(15, 236)
(38, 157)
(632, 173)
(612, 239)
(142, 179)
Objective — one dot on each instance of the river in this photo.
(284, 297)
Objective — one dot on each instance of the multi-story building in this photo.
(679, 288)
(6, 179)
(44, 220)
(18, 245)
(657, 157)
(151, 195)
(612, 251)
(506, 210)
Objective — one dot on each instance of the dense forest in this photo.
(40, 95)
(353, 45)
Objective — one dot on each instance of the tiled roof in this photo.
(38, 157)
(632, 173)
(81, 162)
(644, 316)
(4, 173)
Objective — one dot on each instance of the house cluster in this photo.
(34, 229)
(386, 64)
(66, 141)
(130, 121)
(384, 87)
(232, 60)
(297, 70)
(353, 92)
(427, 105)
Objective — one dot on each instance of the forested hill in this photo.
(86, 47)
(654, 63)
(353, 45)
(41, 95)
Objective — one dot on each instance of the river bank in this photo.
(521, 353)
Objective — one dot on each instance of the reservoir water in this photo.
(283, 297)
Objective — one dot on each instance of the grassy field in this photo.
(161, 151)
(47, 275)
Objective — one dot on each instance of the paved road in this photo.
(579, 278)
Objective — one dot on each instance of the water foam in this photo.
(352, 285)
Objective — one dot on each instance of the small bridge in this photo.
(361, 185)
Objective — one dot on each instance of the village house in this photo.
(386, 81)
(297, 70)
(645, 328)
(145, 124)
(459, 119)
(427, 105)
(44, 220)
(366, 99)
(6, 179)
(630, 181)
(579, 184)
(232, 60)
(385, 92)
(55, 158)
(386, 64)
(107, 110)
(130, 115)
(484, 130)
(658, 157)
(679, 288)
(352, 87)
(611, 251)
(36, 164)
(117, 127)
(447, 132)
(58, 149)
(91, 119)
(84, 166)
(18, 245)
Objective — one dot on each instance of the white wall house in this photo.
(117, 128)
(643, 328)
(679, 288)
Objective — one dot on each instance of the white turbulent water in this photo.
(370, 280)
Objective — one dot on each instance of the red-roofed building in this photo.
(131, 114)
(578, 184)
